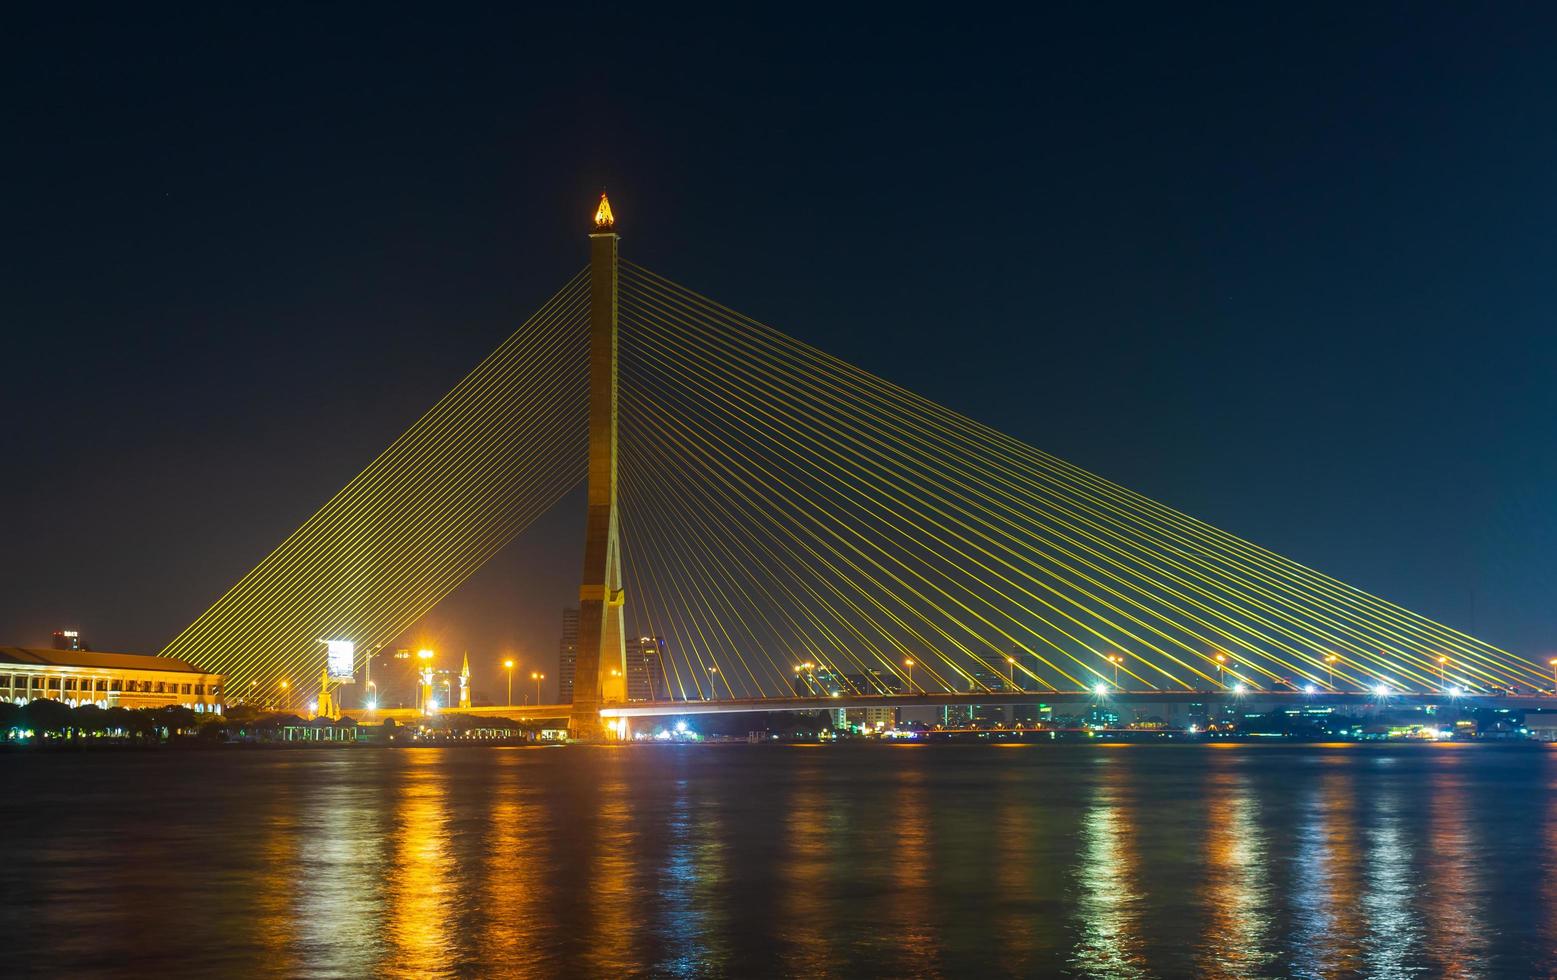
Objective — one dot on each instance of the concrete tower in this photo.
(465, 682)
(600, 674)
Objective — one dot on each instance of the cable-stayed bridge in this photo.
(797, 529)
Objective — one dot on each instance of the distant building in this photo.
(646, 670)
(125, 680)
(69, 640)
(567, 656)
(988, 714)
(868, 718)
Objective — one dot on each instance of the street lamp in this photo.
(1116, 660)
(508, 665)
(1330, 663)
(713, 676)
(910, 665)
(1553, 662)
(1442, 662)
(1221, 669)
(537, 678)
(1011, 665)
(286, 699)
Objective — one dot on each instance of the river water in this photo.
(897, 860)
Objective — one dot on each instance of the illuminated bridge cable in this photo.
(502, 447)
(814, 426)
(980, 533)
(1439, 628)
(409, 560)
(337, 543)
(351, 591)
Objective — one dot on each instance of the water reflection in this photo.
(1326, 876)
(1236, 876)
(1106, 884)
(337, 919)
(691, 916)
(518, 878)
(1456, 905)
(1388, 879)
(1017, 927)
(612, 879)
(419, 896)
(911, 902)
(958, 860)
(806, 875)
(277, 876)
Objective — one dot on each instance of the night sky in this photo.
(1292, 272)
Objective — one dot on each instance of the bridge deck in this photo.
(1265, 699)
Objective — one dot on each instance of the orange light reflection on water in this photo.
(418, 891)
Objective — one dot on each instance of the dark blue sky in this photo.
(1292, 272)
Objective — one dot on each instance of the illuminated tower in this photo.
(600, 672)
(326, 701)
(465, 682)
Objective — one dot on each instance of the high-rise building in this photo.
(567, 656)
(646, 670)
(987, 679)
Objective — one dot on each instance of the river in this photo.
(1221, 860)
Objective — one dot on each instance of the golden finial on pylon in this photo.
(604, 219)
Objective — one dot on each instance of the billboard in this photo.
(340, 660)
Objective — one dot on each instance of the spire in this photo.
(604, 220)
(465, 670)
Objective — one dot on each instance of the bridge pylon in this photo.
(600, 672)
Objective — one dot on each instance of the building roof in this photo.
(93, 658)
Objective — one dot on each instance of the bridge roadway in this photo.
(1265, 699)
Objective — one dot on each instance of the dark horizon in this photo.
(1286, 272)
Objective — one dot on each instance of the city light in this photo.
(1239, 689)
(1382, 690)
(1310, 689)
(681, 727)
(424, 654)
(1100, 689)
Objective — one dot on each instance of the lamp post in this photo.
(1221, 669)
(1553, 662)
(369, 689)
(713, 675)
(508, 665)
(1116, 660)
(537, 678)
(1330, 665)
(1011, 667)
(1443, 685)
(910, 665)
(286, 699)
